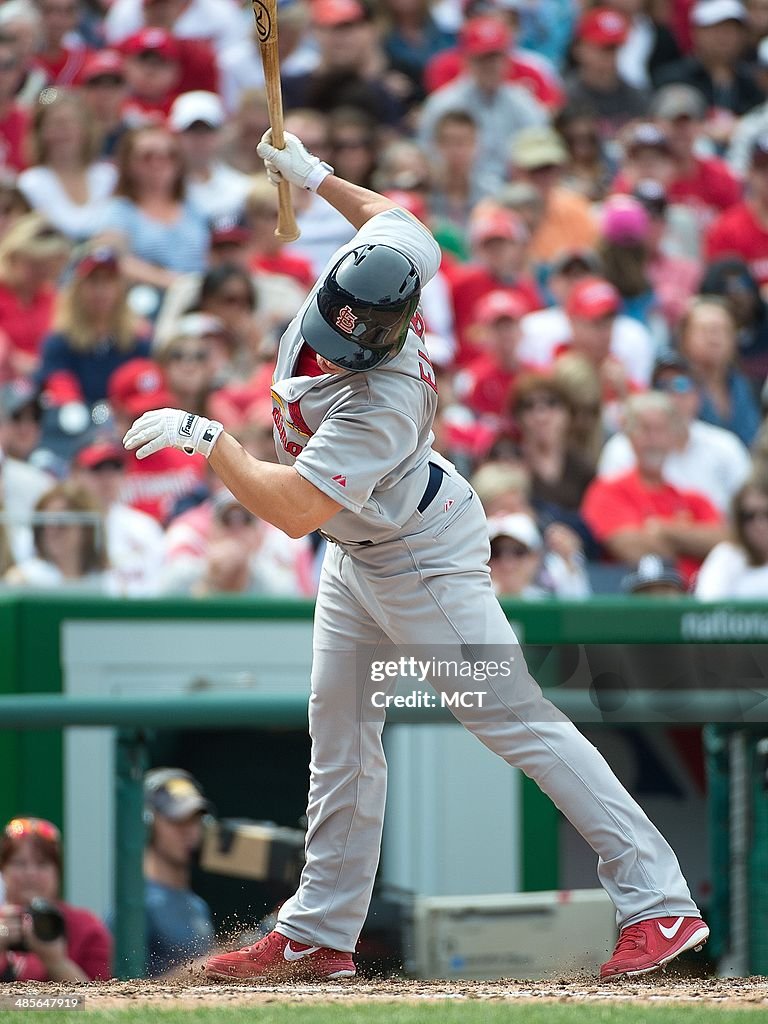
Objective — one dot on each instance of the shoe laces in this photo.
(632, 937)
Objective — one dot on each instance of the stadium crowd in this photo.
(596, 176)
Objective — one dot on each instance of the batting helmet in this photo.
(360, 315)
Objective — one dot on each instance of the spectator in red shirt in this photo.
(704, 183)
(13, 118)
(638, 513)
(30, 863)
(592, 307)
(485, 385)
(524, 68)
(500, 256)
(267, 252)
(153, 73)
(60, 58)
(32, 254)
(742, 230)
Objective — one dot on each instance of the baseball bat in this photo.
(265, 13)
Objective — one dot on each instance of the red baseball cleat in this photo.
(277, 958)
(650, 944)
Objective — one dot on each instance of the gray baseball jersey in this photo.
(422, 578)
(364, 438)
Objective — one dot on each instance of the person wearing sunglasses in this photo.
(160, 233)
(134, 540)
(712, 457)
(190, 357)
(738, 567)
(30, 866)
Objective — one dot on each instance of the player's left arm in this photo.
(277, 494)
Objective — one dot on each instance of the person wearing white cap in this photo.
(521, 566)
(215, 188)
(716, 67)
(515, 560)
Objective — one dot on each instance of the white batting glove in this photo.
(294, 163)
(172, 428)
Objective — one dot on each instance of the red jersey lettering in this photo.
(417, 324)
(426, 370)
(296, 420)
(292, 447)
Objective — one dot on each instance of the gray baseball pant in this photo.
(431, 585)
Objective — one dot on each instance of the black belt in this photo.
(433, 486)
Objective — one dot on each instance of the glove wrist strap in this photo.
(209, 437)
(317, 176)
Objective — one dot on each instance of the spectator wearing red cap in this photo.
(596, 81)
(218, 22)
(135, 541)
(499, 242)
(348, 73)
(538, 157)
(743, 229)
(160, 233)
(588, 324)
(524, 67)
(156, 484)
(66, 183)
(485, 384)
(61, 51)
(95, 331)
(104, 91)
(217, 190)
(639, 513)
(501, 108)
(716, 66)
(592, 308)
(153, 73)
(13, 117)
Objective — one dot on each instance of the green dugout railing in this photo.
(133, 716)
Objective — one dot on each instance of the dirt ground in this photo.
(731, 993)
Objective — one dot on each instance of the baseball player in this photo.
(354, 397)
